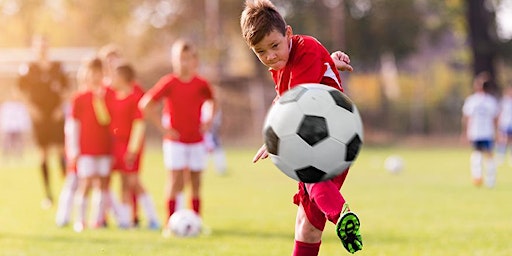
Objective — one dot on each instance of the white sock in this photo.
(81, 204)
(101, 205)
(125, 215)
(476, 165)
(490, 177)
(148, 206)
(65, 206)
(220, 161)
(122, 212)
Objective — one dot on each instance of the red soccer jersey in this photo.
(309, 62)
(94, 138)
(183, 101)
(123, 111)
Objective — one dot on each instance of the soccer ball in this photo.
(394, 164)
(184, 223)
(313, 133)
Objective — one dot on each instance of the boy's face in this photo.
(274, 49)
(94, 78)
(186, 62)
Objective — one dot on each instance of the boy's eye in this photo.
(275, 46)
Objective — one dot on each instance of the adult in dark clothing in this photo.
(43, 84)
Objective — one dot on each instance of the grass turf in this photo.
(430, 208)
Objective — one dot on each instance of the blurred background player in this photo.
(292, 60)
(480, 116)
(183, 93)
(504, 138)
(14, 126)
(43, 84)
(90, 142)
(112, 57)
(212, 138)
(127, 128)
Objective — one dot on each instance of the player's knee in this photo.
(304, 230)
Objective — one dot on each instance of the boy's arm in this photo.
(207, 124)
(341, 61)
(149, 109)
(72, 134)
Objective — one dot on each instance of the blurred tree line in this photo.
(414, 60)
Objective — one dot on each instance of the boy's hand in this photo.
(261, 154)
(129, 158)
(173, 133)
(341, 61)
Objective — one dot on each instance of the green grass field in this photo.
(429, 209)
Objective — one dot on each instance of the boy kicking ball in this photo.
(293, 60)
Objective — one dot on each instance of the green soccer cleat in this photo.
(347, 229)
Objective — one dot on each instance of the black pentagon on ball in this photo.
(292, 95)
(313, 129)
(342, 100)
(310, 174)
(353, 147)
(271, 141)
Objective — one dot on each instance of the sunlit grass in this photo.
(430, 208)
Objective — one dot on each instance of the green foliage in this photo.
(431, 208)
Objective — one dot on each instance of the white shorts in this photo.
(88, 166)
(179, 156)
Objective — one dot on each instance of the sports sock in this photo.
(476, 165)
(306, 249)
(81, 205)
(148, 206)
(101, 204)
(220, 161)
(121, 212)
(328, 199)
(490, 176)
(171, 206)
(196, 204)
(65, 205)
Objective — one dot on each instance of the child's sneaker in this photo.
(347, 229)
(154, 225)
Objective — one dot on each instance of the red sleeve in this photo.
(161, 88)
(207, 91)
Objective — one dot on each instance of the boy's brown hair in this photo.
(126, 71)
(94, 64)
(259, 18)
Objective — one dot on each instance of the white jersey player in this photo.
(505, 125)
(480, 116)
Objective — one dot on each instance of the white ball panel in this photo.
(329, 156)
(284, 126)
(341, 124)
(316, 102)
(284, 166)
(296, 151)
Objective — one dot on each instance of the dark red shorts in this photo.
(315, 216)
(119, 149)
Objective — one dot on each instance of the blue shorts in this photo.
(483, 145)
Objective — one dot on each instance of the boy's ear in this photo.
(289, 32)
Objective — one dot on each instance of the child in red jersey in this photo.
(293, 60)
(183, 93)
(127, 128)
(89, 145)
